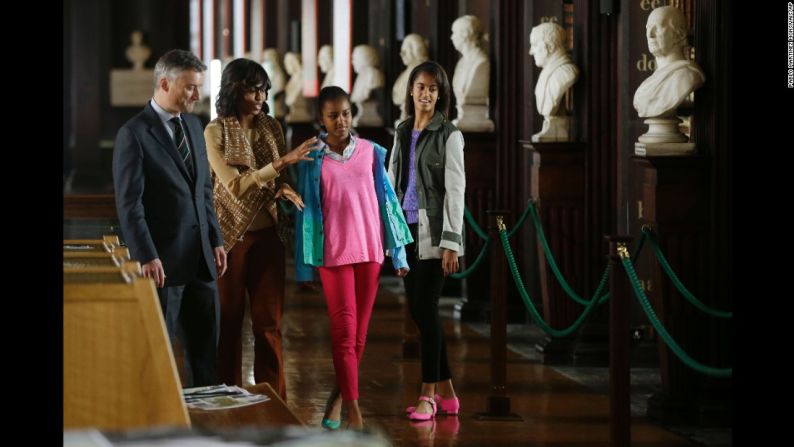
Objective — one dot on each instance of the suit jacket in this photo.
(163, 213)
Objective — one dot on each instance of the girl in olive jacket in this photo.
(427, 170)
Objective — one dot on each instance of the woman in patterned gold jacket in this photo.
(246, 151)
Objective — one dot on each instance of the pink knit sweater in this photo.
(351, 220)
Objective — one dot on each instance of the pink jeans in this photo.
(350, 294)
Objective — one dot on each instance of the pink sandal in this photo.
(414, 416)
(445, 406)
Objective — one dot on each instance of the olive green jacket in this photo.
(440, 183)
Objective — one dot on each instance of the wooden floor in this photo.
(556, 411)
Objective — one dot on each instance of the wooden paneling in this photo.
(422, 17)
(66, 82)
(560, 172)
(325, 23)
(674, 194)
(713, 130)
(91, 206)
(598, 126)
(87, 62)
(381, 37)
(361, 22)
(281, 25)
(272, 24)
(480, 197)
(689, 202)
(99, 35)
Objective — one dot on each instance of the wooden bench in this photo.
(118, 368)
(106, 244)
(127, 272)
(78, 258)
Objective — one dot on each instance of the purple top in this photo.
(410, 201)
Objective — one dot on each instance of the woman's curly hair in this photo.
(240, 76)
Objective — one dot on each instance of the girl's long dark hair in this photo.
(437, 71)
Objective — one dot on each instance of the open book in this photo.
(220, 397)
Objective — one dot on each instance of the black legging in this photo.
(423, 288)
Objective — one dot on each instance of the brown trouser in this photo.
(255, 264)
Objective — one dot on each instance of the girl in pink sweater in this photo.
(351, 216)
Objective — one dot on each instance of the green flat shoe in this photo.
(331, 424)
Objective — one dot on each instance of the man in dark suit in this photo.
(164, 202)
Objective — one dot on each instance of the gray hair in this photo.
(326, 49)
(368, 54)
(417, 46)
(290, 60)
(551, 34)
(474, 29)
(675, 19)
(174, 62)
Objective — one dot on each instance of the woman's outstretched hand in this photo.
(299, 153)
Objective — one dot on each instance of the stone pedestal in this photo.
(663, 149)
(557, 172)
(556, 129)
(473, 118)
(368, 114)
(299, 112)
(671, 196)
(130, 88)
(480, 196)
(663, 130)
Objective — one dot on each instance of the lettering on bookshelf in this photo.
(646, 63)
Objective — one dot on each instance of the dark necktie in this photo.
(181, 145)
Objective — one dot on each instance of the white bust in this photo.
(472, 76)
(272, 64)
(557, 75)
(370, 77)
(675, 76)
(298, 107)
(325, 59)
(413, 52)
(137, 53)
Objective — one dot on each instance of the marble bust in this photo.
(369, 78)
(558, 73)
(675, 77)
(137, 53)
(132, 86)
(412, 52)
(325, 60)
(272, 63)
(471, 79)
(298, 106)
